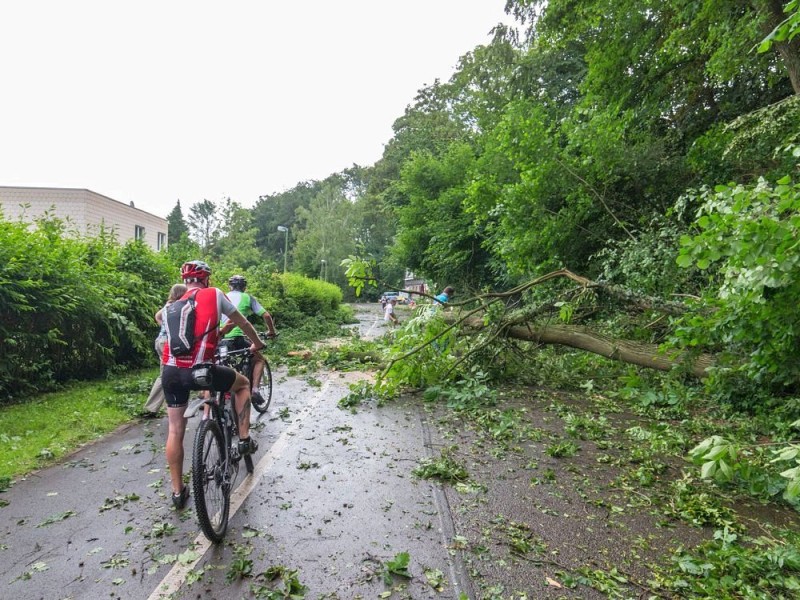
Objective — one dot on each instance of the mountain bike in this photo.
(216, 457)
(244, 363)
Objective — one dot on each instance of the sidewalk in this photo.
(331, 498)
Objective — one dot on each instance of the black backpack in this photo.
(180, 319)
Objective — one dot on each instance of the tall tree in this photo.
(326, 231)
(783, 24)
(236, 245)
(438, 238)
(681, 64)
(204, 224)
(280, 209)
(176, 224)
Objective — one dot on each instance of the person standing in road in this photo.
(445, 296)
(210, 304)
(156, 397)
(388, 313)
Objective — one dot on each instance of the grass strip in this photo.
(39, 431)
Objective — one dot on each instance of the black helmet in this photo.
(237, 283)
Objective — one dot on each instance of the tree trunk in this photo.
(789, 51)
(636, 353)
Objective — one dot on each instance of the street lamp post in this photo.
(285, 231)
(323, 268)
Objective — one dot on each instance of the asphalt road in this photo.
(331, 503)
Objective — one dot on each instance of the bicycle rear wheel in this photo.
(210, 483)
(263, 396)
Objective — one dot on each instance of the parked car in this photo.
(386, 296)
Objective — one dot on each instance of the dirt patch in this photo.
(567, 495)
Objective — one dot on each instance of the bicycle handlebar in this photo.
(222, 352)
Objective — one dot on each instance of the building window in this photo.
(161, 242)
(138, 233)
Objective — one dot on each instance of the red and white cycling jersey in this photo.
(210, 304)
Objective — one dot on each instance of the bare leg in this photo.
(258, 370)
(205, 395)
(241, 390)
(177, 430)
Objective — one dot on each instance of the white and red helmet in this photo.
(195, 270)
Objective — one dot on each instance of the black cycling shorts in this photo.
(178, 382)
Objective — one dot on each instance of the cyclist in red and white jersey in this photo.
(210, 304)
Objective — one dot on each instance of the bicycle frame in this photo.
(222, 411)
(215, 465)
(215, 454)
(243, 361)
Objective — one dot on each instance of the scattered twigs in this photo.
(485, 343)
(430, 341)
(518, 324)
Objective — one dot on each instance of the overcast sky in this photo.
(155, 101)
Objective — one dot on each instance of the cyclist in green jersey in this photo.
(235, 338)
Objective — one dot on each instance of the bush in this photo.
(747, 237)
(78, 308)
(290, 298)
(72, 307)
(297, 297)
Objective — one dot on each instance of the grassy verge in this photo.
(40, 431)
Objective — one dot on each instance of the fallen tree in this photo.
(520, 323)
(636, 353)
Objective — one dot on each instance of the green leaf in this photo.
(793, 489)
(399, 564)
(791, 473)
(726, 470)
(788, 453)
(684, 260)
(188, 557)
(708, 469)
(718, 452)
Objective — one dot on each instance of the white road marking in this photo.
(371, 327)
(173, 580)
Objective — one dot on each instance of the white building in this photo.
(85, 211)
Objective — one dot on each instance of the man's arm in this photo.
(226, 327)
(269, 322)
(257, 309)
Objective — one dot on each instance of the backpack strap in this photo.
(194, 303)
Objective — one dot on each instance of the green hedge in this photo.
(73, 308)
(290, 298)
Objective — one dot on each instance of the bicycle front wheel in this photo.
(263, 397)
(210, 483)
